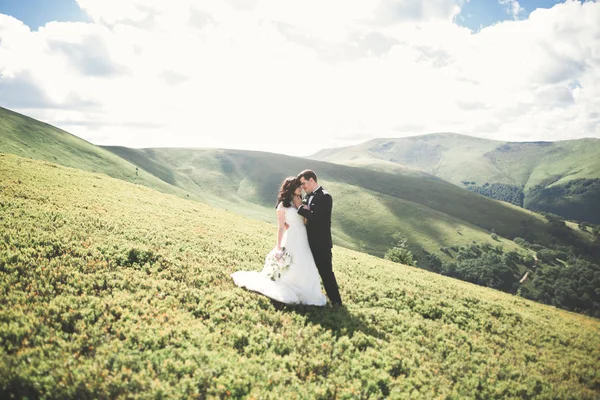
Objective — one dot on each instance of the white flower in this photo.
(278, 261)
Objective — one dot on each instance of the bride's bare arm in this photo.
(280, 226)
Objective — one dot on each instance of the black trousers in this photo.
(323, 259)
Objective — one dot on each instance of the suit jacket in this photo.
(318, 226)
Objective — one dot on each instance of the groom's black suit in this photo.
(318, 228)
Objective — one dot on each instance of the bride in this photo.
(299, 283)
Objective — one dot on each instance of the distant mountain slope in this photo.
(369, 206)
(444, 155)
(532, 168)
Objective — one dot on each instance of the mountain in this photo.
(111, 289)
(369, 206)
(558, 177)
(447, 229)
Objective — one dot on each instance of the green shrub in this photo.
(400, 253)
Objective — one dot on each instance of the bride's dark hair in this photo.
(286, 192)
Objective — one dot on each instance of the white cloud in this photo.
(295, 77)
(513, 8)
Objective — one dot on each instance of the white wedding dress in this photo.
(300, 283)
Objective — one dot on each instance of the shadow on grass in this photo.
(339, 320)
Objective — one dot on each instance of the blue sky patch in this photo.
(36, 13)
(478, 14)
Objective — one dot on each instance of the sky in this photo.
(295, 77)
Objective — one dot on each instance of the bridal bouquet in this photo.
(278, 261)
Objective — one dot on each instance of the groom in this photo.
(318, 214)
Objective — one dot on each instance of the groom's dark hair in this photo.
(307, 174)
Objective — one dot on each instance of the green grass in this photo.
(114, 290)
(376, 217)
(388, 166)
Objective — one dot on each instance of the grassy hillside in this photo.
(113, 290)
(369, 206)
(531, 167)
(446, 155)
(27, 137)
(551, 163)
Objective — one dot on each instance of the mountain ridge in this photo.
(447, 229)
(530, 167)
(370, 206)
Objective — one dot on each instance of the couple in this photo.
(304, 231)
